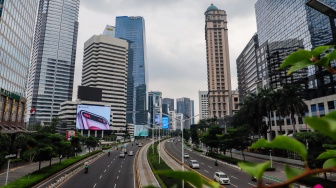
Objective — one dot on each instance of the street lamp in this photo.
(271, 157)
(328, 11)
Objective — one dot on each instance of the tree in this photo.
(210, 138)
(241, 138)
(186, 135)
(194, 135)
(290, 103)
(91, 142)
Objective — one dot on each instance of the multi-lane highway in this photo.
(207, 168)
(107, 171)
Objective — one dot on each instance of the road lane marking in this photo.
(119, 171)
(115, 185)
(94, 185)
(206, 171)
(100, 176)
(108, 166)
(234, 177)
(105, 170)
(111, 161)
(251, 184)
(117, 177)
(202, 163)
(121, 166)
(209, 166)
(233, 185)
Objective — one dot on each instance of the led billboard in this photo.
(140, 130)
(157, 119)
(93, 117)
(164, 122)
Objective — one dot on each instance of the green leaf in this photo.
(256, 170)
(191, 177)
(320, 49)
(283, 142)
(292, 172)
(300, 65)
(331, 55)
(327, 154)
(293, 58)
(326, 125)
(324, 62)
(330, 163)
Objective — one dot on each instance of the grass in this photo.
(164, 181)
(36, 177)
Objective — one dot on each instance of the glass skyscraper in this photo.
(132, 29)
(17, 22)
(53, 59)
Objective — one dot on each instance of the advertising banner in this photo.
(140, 130)
(69, 134)
(164, 122)
(157, 119)
(93, 117)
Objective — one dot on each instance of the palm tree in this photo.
(290, 103)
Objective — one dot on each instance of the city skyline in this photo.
(176, 52)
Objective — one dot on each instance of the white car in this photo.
(221, 178)
(186, 155)
(130, 153)
(193, 164)
(122, 154)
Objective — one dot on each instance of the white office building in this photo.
(203, 104)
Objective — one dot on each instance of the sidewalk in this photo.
(20, 171)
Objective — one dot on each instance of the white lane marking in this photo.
(111, 161)
(209, 166)
(234, 177)
(206, 171)
(108, 166)
(121, 166)
(251, 184)
(115, 185)
(117, 177)
(94, 185)
(105, 170)
(119, 171)
(235, 185)
(202, 163)
(100, 176)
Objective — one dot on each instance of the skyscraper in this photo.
(53, 59)
(170, 103)
(132, 29)
(155, 107)
(105, 66)
(184, 106)
(17, 23)
(203, 104)
(218, 62)
(109, 31)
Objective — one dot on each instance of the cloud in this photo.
(176, 56)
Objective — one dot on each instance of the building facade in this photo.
(203, 104)
(109, 31)
(132, 29)
(170, 103)
(17, 23)
(105, 66)
(51, 73)
(184, 106)
(218, 62)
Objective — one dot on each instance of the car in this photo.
(186, 155)
(253, 178)
(221, 178)
(130, 153)
(139, 145)
(193, 164)
(122, 154)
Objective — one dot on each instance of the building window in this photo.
(331, 105)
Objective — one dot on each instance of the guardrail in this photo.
(136, 169)
(187, 167)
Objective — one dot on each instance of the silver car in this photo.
(122, 154)
(194, 164)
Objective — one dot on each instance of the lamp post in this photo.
(271, 157)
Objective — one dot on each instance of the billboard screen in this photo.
(69, 134)
(93, 117)
(164, 122)
(140, 130)
(89, 93)
(157, 119)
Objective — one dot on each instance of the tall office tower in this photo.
(52, 67)
(17, 22)
(155, 107)
(192, 112)
(295, 25)
(170, 103)
(132, 29)
(184, 106)
(203, 104)
(109, 31)
(218, 62)
(247, 69)
(105, 66)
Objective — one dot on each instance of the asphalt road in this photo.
(207, 168)
(107, 171)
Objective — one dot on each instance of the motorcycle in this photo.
(108, 154)
(86, 169)
(216, 163)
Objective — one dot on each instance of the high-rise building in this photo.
(247, 69)
(17, 23)
(184, 106)
(218, 62)
(132, 29)
(155, 107)
(109, 31)
(105, 66)
(52, 67)
(170, 103)
(203, 104)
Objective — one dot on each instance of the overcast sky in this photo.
(176, 56)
